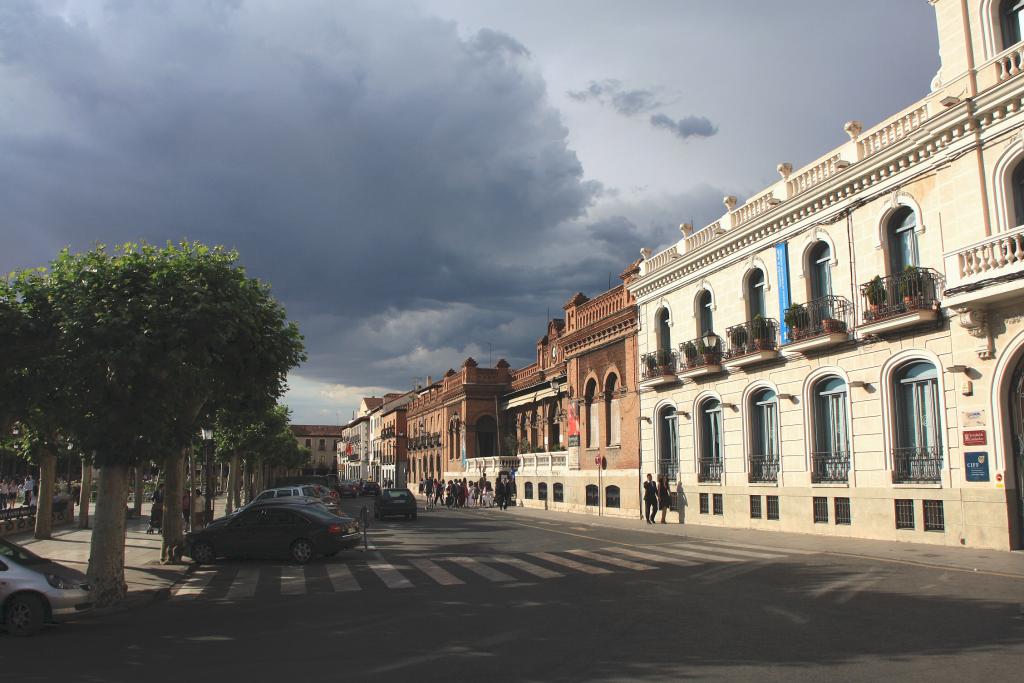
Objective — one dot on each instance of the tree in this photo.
(152, 337)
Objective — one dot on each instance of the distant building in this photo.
(322, 441)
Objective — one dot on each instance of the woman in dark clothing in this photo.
(664, 497)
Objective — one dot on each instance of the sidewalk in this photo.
(147, 579)
(1003, 563)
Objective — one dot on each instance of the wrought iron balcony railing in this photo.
(825, 315)
(759, 334)
(698, 354)
(658, 363)
(709, 470)
(917, 465)
(764, 468)
(830, 467)
(912, 290)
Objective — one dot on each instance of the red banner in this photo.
(574, 423)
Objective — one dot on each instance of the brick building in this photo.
(322, 441)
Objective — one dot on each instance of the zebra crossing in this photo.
(403, 571)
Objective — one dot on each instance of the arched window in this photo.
(611, 496)
(542, 491)
(528, 490)
(593, 495)
(1017, 180)
(705, 314)
(592, 415)
(611, 410)
(668, 442)
(755, 294)
(663, 330)
(1011, 18)
(764, 436)
(710, 440)
(554, 428)
(901, 233)
(558, 493)
(486, 437)
(830, 459)
(820, 270)
(917, 455)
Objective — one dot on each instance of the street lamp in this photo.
(710, 340)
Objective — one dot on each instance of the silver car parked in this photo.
(34, 590)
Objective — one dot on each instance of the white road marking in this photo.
(196, 583)
(652, 557)
(528, 567)
(438, 574)
(785, 551)
(571, 564)
(696, 555)
(389, 575)
(293, 580)
(341, 578)
(475, 566)
(729, 550)
(616, 561)
(244, 584)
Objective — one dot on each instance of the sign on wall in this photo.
(975, 437)
(976, 465)
(974, 418)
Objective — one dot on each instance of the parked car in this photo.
(393, 502)
(34, 590)
(294, 500)
(274, 530)
(370, 488)
(304, 491)
(349, 488)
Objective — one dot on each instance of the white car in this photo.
(34, 590)
(299, 491)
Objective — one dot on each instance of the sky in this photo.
(424, 180)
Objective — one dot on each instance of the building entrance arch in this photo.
(1015, 415)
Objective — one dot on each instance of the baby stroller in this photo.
(156, 518)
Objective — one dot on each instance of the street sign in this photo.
(597, 459)
(974, 418)
(975, 437)
(574, 440)
(976, 465)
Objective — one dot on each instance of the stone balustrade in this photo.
(994, 256)
(542, 463)
(754, 208)
(823, 170)
(891, 132)
(1010, 63)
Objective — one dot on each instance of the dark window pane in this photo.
(820, 510)
(904, 514)
(934, 516)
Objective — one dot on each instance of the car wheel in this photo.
(202, 553)
(302, 551)
(24, 615)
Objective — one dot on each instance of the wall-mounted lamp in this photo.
(644, 418)
(949, 101)
(957, 368)
(859, 384)
(730, 406)
(786, 397)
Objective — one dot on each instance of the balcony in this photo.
(986, 271)
(703, 356)
(830, 467)
(659, 367)
(709, 470)
(900, 301)
(754, 341)
(819, 324)
(916, 465)
(764, 469)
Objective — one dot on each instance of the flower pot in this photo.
(831, 325)
(762, 344)
(910, 303)
(710, 359)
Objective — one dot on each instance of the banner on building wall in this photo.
(574, 423)
(782, 264)
(462, 446)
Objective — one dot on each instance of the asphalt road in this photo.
(485, 595)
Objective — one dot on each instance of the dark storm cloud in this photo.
(369, 162)
(627, 102)
(690, 126)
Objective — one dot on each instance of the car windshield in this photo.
(12, 551)
(396, 495)
(310, 491)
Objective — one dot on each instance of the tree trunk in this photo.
(85, 495)
(173, 491)
(138, 493)
(106, 552)
(44, 506)
(246, 470)
(232, 486)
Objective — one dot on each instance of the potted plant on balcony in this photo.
(690, 351)
(738, 338)
(876, 295)
(797, 320)
(760, 330)
(912, 287)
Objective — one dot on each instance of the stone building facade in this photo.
(322, 442)
(391, 440)
(843, 353)
(585, 374)
(354, 449)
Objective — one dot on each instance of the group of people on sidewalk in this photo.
(193, 509)
(656, 497)
(461, 493)
(26, 492)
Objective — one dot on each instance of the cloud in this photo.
(627, 102)
(689, 126)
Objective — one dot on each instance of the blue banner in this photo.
(782, 264)
(462, 444)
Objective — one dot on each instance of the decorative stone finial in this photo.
(853, 129)
(784, 169)
(730, 202)
(686, 229)
(645, 253)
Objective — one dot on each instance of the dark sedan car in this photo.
(299, 532)
(393, 502)
(370, 488)
(349, 488)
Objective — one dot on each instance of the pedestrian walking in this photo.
(501, 492)
(650, 499)
(664, 497)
